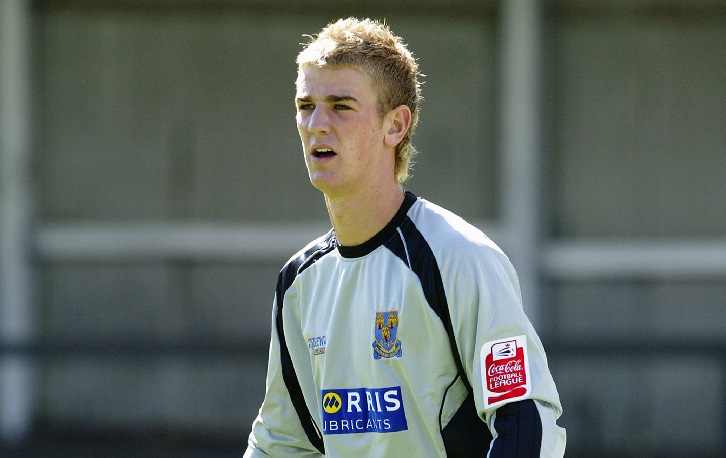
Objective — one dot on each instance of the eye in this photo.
(305, 107)
(340, 106)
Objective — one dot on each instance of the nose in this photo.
(318, 121)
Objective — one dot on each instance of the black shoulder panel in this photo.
(284, 281)
(415, 251)
(466, 435)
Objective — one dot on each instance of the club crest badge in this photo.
(386, 344)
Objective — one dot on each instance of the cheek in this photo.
(302, 130)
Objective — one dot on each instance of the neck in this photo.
(357, 219)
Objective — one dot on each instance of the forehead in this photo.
(319, 82)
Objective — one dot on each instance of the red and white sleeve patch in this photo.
(505, 370)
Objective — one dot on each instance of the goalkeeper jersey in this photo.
(411, 344)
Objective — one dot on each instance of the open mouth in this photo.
(323, 153)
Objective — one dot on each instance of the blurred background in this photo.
(152, 185)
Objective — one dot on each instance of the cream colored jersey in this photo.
(411, 344)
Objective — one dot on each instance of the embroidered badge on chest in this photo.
(386, 344)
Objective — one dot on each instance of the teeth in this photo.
(325, 150)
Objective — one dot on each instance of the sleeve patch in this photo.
(506, 370)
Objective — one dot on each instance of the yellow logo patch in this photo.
(332, 402)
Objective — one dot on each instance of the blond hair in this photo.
(372, 48)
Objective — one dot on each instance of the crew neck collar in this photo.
(384, 235)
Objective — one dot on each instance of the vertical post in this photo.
(521, 143)
(15, 259)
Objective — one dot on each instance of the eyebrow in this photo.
(329, 99)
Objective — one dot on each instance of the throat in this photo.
(357, 220)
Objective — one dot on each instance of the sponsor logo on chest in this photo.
(363, 410)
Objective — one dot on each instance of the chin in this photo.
(329, 188)
(323, 184)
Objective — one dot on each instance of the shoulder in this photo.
(473, 269)
(304, 258)
(449, 234)
(464, 254)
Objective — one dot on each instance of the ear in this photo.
(397, 122)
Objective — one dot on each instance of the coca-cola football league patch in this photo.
(506, 370)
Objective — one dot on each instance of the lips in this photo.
(322, 153)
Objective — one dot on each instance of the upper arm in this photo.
(504, 358)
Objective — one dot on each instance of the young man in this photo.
(401, 331)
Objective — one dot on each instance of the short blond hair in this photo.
(370, 46)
